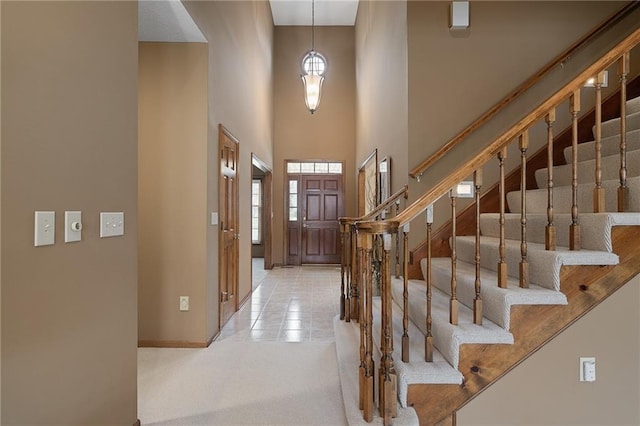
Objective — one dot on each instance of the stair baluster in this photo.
(453, 302)
(346, 252)
(405, 292)
(598, 191)
(361, 267)
(550, 229)
(524, 264)
(428, 339)
(355, 284)
(574, 229)
(623, 190)
(354, 272)
(367, 246)
(477, 301)
(397, 205)
(502, 263)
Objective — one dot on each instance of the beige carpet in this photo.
(241, 383)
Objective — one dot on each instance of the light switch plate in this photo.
(111, 224)
(72, 226)
(45, 229)
(587, 369)
(214, 218)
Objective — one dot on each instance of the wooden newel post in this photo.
(502, 263)
(345, 239)
(623, 190)
(574, 229)
(550, 229)
(367, 382)
(362, 370)
(388, 398)
(524, 264)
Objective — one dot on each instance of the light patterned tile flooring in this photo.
(293, 304)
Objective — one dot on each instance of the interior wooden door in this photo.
(322, 205)
(228, 225)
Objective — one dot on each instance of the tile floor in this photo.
(293, 304)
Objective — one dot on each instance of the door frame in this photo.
(267, 209)
(224, 133)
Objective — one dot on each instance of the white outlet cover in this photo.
(184, 303)
(71, 235)
(45, 229)
(587, 369)
(111, 224)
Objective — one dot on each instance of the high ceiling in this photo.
(327, 12)
(168, 20)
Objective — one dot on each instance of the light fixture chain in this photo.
(313, 21)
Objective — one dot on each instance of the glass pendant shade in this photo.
(312, 90)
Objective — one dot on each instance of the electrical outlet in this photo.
(184, 303)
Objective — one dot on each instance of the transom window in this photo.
(324, 167)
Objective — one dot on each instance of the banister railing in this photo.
(366, 232)
(417, 171)
(441, 188)
(349, 287)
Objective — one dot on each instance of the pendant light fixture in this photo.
(313, 68)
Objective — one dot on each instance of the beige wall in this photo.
(328, 134)
(545, 389)
(69, 113)
(454, 77)
(172, 192)
(240, 93)
(382, 88)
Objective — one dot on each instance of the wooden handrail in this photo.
(404, 191)
(558, 60)
(452, 179)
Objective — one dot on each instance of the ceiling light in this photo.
(313, 68)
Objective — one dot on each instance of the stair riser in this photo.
(610, 146)
(536, 224)
(586, 170)
(544, 268)
(612, 127)
(536, 200)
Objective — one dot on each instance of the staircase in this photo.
(503, 293)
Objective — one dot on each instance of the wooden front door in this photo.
(228, 225)
(322, 205)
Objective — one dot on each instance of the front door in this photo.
(228, 225)
(321, 207)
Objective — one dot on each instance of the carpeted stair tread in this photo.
(536, 199)
(612, 127)
(496, 301)
(598, 226)
(416, 370)
(609, 146)
(447, 337)
(348, 353)
(544, 265)
(610, 170)
(633, 105)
